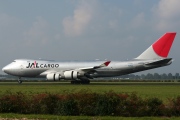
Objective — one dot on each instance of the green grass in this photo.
(55, 117)
(143, 89)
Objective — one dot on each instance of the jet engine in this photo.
(53, 76)
(69, 75)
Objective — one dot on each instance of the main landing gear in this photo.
(80, 82)
(19, 80)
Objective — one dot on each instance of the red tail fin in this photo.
(163, 45)
(160, 48)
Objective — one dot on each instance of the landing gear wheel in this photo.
(80, 82)
(75, 82)
(19, 80)
(72, 82)
(85, 81)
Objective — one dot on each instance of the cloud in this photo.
(38, 33)
(114, 17)
(7, 21)
(10, 30)
(9, 25)
(113, 24)
(138, 2)
(76, 24)
(138, 20)
(167, 14)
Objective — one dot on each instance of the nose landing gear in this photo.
(19, 80)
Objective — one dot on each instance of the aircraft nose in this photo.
(5, 69)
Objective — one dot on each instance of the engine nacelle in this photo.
(71, 75)
(53, 76)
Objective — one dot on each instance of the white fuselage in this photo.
(38, 68)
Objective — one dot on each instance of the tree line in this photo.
(152, 76)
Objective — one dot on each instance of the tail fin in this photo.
(160, 48)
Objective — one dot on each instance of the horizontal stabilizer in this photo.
(161, 62)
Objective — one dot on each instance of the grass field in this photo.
(162, 90)
(12, 116)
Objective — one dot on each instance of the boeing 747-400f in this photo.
(80, 72)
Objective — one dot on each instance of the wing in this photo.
(86, 69)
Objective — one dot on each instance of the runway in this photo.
(91, 83)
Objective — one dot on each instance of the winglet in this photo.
(105, 64)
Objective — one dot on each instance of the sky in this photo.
(86, 29)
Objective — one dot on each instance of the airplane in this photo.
(81, 72)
